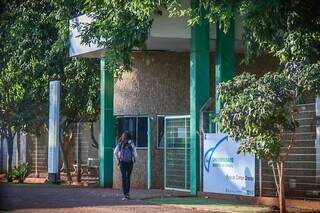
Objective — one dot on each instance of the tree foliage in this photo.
(34, 41)
(120, 26)
(258, 110)
(35, 44)
(287, 29)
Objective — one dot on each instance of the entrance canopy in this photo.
(167, 34)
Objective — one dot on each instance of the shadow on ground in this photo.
(47, 198)
(39, 196)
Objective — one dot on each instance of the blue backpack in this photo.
(126, 153)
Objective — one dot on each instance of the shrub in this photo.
(20, 172)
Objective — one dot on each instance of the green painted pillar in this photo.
(107, 130)
(150, 152)
(199, 92)
(225, 60)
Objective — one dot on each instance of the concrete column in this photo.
(107, 127)
(225, 60)
(199, 92)
(54, 132)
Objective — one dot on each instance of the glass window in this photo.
(127, 124)
(137, 128)
(142, 138)
(177, 130)
(160, 131)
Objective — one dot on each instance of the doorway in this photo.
(177, 153)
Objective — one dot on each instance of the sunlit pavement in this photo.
(30, 198)
(54, 198)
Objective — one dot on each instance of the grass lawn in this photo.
(214, 205)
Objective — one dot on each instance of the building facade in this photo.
(185, 67)
(187, 64)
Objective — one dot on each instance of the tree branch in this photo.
(275, 178)
(95, 143)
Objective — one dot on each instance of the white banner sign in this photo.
(225, 171)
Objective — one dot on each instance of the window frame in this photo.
(164, 115)
(137, 137)
(160, 147)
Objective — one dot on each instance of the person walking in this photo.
(126, 154)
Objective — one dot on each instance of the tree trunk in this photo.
(282, 200)
(95, 143)
(10, 138)
(37, 172)
(65, 147)
(78, 155)
(1, 156)
(18, 149)
(66, 164)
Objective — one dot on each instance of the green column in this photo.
(199, 92)
(225, 60)
(107, 130)
(150, 152)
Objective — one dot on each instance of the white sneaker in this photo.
(124, 198)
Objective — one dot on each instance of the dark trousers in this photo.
(126, 169)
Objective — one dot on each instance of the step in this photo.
(294, 172)
(300, 143)
(290, 186)
(301, 150)
(305, 128)
(299, 136)
(306, 121)
(306, 107)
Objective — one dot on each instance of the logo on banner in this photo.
(224, 170)
(208, 156)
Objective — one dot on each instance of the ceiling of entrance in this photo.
(167, 34)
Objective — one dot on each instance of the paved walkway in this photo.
(53, 198)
